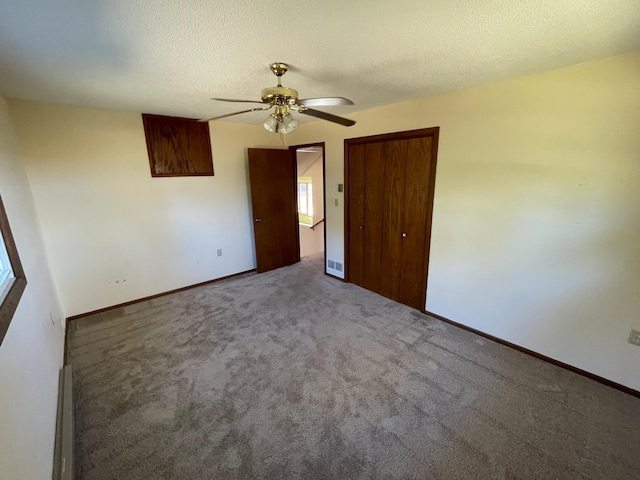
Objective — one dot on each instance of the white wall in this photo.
(113, 232)
(312, 241)
(536, 227)
(31, 352)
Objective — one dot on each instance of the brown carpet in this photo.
(294, 375)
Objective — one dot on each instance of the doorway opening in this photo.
(310, 197)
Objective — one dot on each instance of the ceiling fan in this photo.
(283, 99)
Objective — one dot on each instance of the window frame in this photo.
(6, 272)
(14, 293)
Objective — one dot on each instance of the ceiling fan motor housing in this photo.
(279, 95)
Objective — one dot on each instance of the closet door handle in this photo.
(404, 235)
(258, 220)
(361, 227)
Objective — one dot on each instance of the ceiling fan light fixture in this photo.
(278, 123)
(271, 123)
(284, 98)
(288, 124)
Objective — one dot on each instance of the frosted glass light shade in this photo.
(285, 124)
(271, 123)
(288, 124)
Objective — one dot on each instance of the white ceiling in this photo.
(170, 56)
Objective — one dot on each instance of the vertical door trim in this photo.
(433, 132)
(294, 149)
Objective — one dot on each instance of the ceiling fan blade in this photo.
(327, 116)
(235, 100)
(234, 113)
(324, 102)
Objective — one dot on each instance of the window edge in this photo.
(10, 303)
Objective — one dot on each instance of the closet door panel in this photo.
(390, 193)
(416, 210)
(374, 224)
(394, 154)
(356, 223)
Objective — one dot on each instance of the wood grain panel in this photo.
(374, 221)
(398, 197)
(177, 146)
(356, 213)
(392, 192)
(275, 216)
(416, 220)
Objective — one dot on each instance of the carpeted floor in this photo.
(294, 375)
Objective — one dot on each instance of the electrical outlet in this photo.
(219, 252)
(335, 202)
(634, 337)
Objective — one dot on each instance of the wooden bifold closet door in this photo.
(390, 180)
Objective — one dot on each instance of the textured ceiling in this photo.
(170, 56)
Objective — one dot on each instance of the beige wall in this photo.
(115, 234)
(31, 353)
(536, 227)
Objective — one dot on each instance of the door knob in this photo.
(361, 227)
(258, 220)
(404, 235)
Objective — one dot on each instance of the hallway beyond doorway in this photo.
(311, 205)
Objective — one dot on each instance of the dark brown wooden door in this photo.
(390, 181)
(416, 223)
(273, 198)
(391, 192)
(373, 220)
(356, 194)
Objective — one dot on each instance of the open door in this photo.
(275, 215)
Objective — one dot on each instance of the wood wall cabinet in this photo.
(389, 202)
(177, 147)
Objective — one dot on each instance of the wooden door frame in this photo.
(433, 132)
(294, 149)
